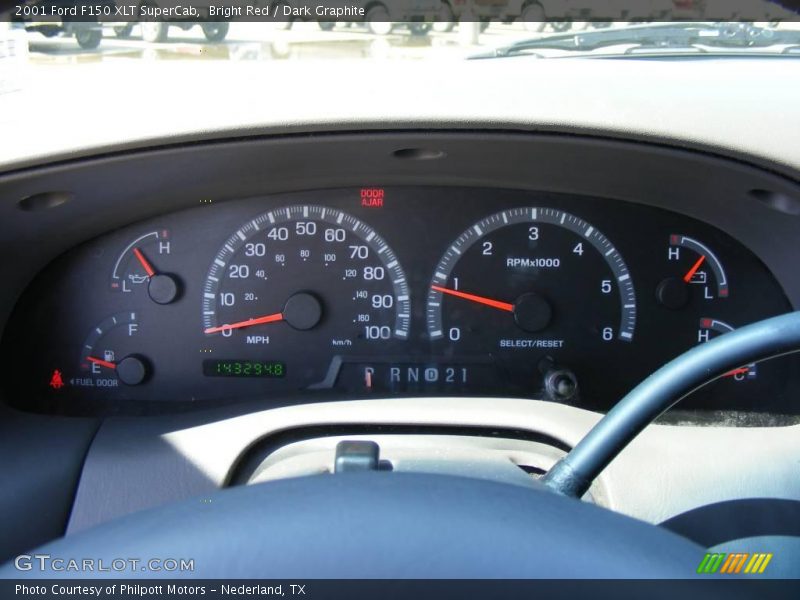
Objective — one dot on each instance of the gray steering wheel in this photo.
(383, 524)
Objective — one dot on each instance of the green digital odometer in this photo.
(244, 368)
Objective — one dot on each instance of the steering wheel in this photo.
(407, 525)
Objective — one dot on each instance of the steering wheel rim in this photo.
(383, 525)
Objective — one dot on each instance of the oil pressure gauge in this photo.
(137, 268)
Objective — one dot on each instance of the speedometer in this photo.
(530, 283)
(306, 276)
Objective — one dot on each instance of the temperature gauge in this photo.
(710, 328)
(698, 272)
(137, 265)
(108, 357)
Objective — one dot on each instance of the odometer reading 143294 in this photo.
(305, 277)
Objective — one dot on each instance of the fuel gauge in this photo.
(136, 268)
(697, 272)
(108, 355)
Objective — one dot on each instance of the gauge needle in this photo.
(688, 277)
(739, 371)
(102, 363)
(473, 298)
(148, 268)
(248, 323)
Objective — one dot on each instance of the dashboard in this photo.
(645, 159)
(393, 291)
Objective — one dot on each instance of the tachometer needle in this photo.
(690, 273)
(473, 298)
(248, 323)
(102, 363)
(148, 268)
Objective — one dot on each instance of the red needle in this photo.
(738, 371)
(473, 298)
(248, 323)
(102, 363)
(688, 277)
(148, 268)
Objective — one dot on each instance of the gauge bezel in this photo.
(333, 216)
(539, 215)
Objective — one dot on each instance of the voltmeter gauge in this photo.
(108, 356)
(138, 267)
(695, 272)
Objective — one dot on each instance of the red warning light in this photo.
(56, 381)
(372, 197)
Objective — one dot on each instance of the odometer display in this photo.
(244, 368)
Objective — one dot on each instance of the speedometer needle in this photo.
(249, 323)
(473, 298)
(102, 363)
(688, 277)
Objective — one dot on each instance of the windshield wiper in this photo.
(656, 36)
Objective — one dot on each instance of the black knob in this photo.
(302, 311)
(673, 293)
(561, 385)
(162, 289)
(532, 312)
(132, 370)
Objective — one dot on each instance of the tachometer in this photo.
(531, 279)
(306, 274)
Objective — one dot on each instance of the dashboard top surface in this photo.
(659, 101)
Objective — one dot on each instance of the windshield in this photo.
(129, 61)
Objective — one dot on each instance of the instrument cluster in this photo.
(402, 291)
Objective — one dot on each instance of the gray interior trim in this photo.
(689, 103)
(43, 457)
(140, 463)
